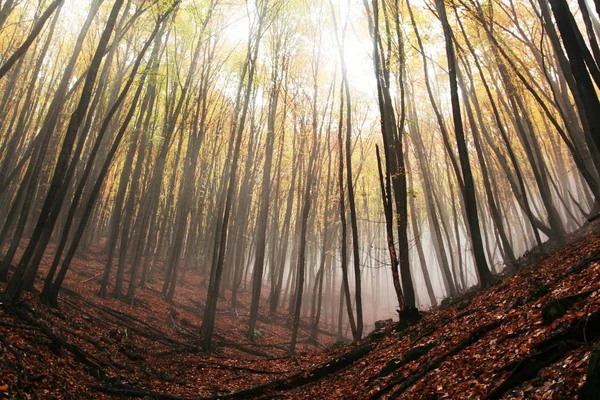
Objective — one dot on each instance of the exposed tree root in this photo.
(134, 392)
(134, 324)
(23, 372)
(59, 342)
(591, 388)
(224, 342)
(528, 368)
(395, 364)
(549, 351)
(584, 264)
(303, 377)
(239, 368)
(290, 382)
(406, 383)
(254, 352)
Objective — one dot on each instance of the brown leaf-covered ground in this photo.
(103, 348)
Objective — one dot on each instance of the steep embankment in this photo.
(530, 336)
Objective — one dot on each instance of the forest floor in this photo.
(527, 337)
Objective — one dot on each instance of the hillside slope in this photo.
(529, 336)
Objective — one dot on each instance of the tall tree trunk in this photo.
(208, 320)
(51, 207)
(265, 193)
(485, 277)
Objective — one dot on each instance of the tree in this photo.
(26, 270)
(395, 171)
(223, 214)
(277, 72)
(468, 189)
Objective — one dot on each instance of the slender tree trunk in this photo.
(208, 320)
(35, 31)
(39, 239)
(485, 278)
